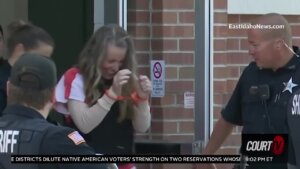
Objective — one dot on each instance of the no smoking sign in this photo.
(158, 78)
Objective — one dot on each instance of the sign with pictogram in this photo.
(158, 78)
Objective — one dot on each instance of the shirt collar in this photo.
(23, 111)
(294, 61)
(292, 64)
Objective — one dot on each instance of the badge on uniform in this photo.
(288, 86)
(76, 137)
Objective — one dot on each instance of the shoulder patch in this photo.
(76, 137)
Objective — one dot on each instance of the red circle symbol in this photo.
(157, 70)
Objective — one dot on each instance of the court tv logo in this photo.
(266, 147)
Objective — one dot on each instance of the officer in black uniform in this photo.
(293, 122)
(4, 73)
(260, 100)
(23, 128)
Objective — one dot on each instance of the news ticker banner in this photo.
(137, 159)
(256, 148)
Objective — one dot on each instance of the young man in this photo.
(276, 66)
(22, 38)
(23, 126)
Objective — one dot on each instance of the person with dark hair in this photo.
(23, 125)
(23, 38)
(14, 25)
(104, 97)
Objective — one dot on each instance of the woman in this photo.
(104, 97)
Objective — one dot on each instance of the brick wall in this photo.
(164, 29)
(226, 73)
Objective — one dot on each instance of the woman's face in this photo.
(113, 61)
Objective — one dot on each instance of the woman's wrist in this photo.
(137, 99)
(112, 95)
(106, 102)
(134, 96)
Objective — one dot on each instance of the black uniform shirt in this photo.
(5, 69)
(56, 140)
(293, 122)
(260, 115)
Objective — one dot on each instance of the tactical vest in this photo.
(29, 139)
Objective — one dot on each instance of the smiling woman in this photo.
(90, 93)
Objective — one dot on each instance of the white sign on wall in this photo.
(286, 7)
(158, 78)
(189, 100)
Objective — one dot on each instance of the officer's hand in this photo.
(119, 80)
(143, 87)
(205, 166)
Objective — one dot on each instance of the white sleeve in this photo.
(87, 118)
(142, 117)
(70, 99)
(65, 92)
(77, 89)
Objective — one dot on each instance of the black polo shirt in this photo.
(249, 110)
(57, 140)
(294, 123)
(5, 68)
(258, 115)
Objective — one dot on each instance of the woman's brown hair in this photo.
(92, 56)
